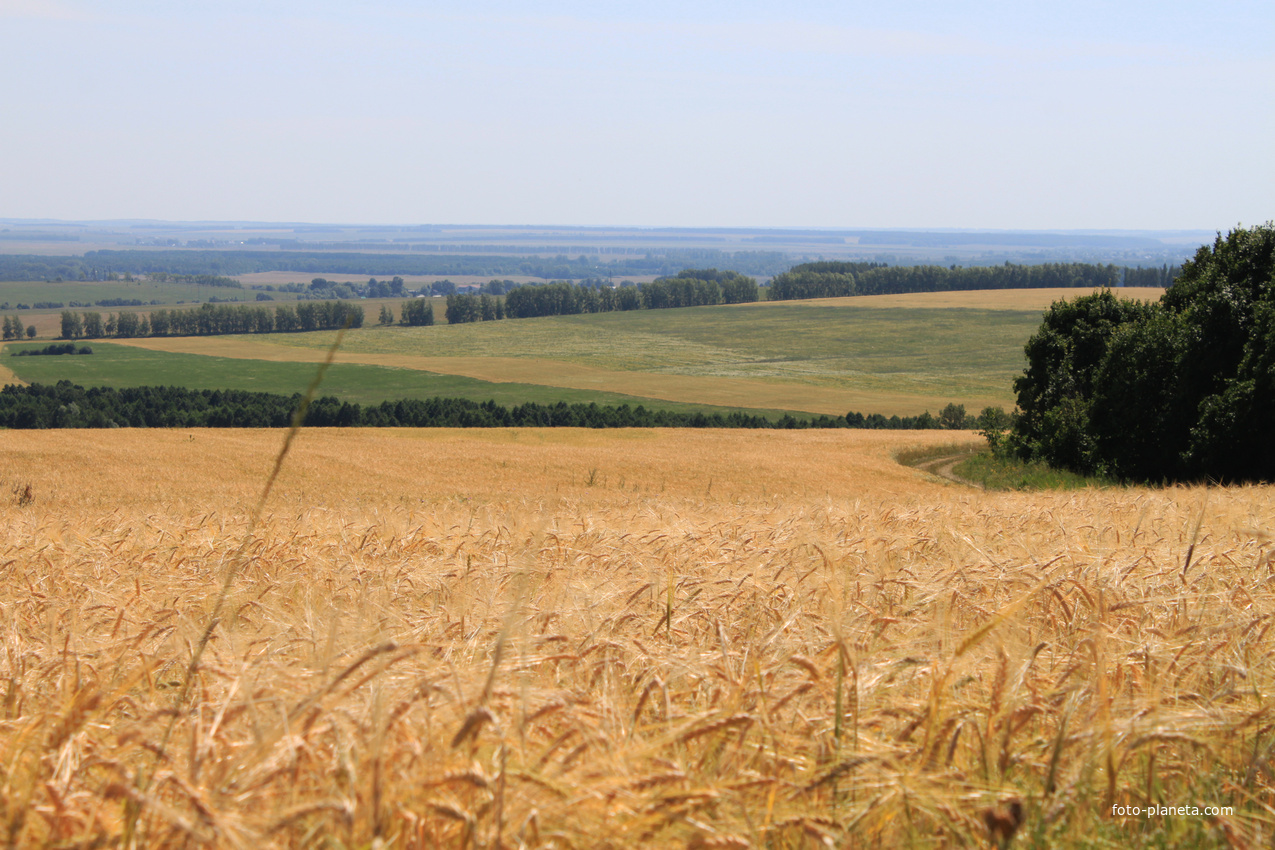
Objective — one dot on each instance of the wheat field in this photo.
(617, 639)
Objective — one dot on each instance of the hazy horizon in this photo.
(919, 116)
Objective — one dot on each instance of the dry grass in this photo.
(617, 639)
(7, 376)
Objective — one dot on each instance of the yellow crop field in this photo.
(7, 376)
(552, 639)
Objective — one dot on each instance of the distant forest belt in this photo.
(694, 389)
(977, 299)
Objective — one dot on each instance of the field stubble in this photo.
(635, 638)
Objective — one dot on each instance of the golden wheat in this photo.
(616, 639)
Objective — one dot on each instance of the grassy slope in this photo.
(896, 360)
(29, 292)
(887, 354)
(126, 366)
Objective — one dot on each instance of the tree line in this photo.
(214, 319)
(1178, 389)
(689, 288)
(53, 351)
(825, 279)
(66, 405)
(13, 328)
(837, 279)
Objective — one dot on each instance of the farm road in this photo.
(943, 466)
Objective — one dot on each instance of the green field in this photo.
(89, 292)
(113, 365)
(790, 356)
(928, 353)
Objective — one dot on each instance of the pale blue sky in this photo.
(1135, 115)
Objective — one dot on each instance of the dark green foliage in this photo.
(680, 291)
(1183, 389)
(53, 350)
(72, 325)
(552, 299)
(214, 319)
(731, 287)
(829, 279)
(993, 423)
(819, 280)
(1062, 359)
(954, 418)
(690, 288)
(473, 308)
(69, 406)
(417, 312)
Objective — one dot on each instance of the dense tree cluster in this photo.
(1161, 277)
(53, 350)
(834, 279)
(69, 406)
(568, 299)
(473, 308)
(214, 319)
(689, 288)
(827, 279)
(393, 288)
(1179, 389)
(736, 288)
(417, 312)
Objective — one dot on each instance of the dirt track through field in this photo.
(943, 468)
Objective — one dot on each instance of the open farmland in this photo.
(891, 354)
(120, 364)
(876, 354)
(617, 639)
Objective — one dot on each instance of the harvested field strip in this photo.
(438, 640)
(7, 376)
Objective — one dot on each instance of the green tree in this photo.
(417, 312)
(1055, 390)
(953, 418)
(93, 326)
(72, 325)
(1180, 389)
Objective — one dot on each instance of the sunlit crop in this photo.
(617, 639)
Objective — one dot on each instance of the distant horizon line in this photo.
(20, 221)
